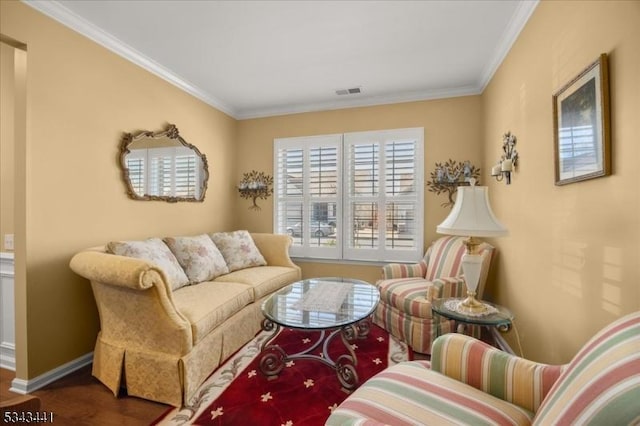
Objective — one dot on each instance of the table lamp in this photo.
(472, 216)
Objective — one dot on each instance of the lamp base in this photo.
(471, 305)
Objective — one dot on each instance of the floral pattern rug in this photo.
(304, 393)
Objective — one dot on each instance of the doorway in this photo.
(13, 63)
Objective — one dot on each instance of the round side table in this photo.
(496, 323)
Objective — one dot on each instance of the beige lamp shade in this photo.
(471, 215)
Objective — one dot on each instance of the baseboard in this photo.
(27, 386)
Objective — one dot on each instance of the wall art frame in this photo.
(582, 125)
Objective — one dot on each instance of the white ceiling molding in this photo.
(58, 12)
(511, 33)
(355, 102)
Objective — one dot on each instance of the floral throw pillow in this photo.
(238, 249)
(155, 251)
(198, 256)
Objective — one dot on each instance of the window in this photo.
(135, 165)
(173, 171)
(353, 196)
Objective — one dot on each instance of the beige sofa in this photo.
(162, 343)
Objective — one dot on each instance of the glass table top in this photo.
(502, 316)
(321, 303)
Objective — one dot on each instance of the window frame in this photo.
(344, 220)
(381, 253)
(306, 144)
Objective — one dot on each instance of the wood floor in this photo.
(80, 399)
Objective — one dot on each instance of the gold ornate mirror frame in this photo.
(137, 171)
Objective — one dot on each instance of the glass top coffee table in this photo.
(332, 306)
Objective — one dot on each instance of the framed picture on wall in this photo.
(581, 126)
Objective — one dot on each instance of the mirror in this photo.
(163, 166)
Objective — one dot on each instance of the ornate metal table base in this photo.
(496, 332)
(273, 358)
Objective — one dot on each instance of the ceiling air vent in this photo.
(352, 91)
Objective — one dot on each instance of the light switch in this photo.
(8, 241)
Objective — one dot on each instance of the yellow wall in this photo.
(6, 141)
(452, 129)
(69, 196)
(571, 263)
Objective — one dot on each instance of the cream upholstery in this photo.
(166, 342)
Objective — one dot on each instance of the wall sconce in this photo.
(449, 176)
(508, 160)
(255, 185)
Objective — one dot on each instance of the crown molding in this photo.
(358, 101)
(512, 31)
(58, 12)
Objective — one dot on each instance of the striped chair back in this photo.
(601, 385)
(444, 259)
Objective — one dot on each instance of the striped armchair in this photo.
(471, 383)
(406, 292)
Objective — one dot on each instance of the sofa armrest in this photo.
(404, 270)
(274, 248)
(131, 294)
(122, 271)
(505, 376)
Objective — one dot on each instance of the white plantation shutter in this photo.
(384, 198)
(172, 172)
(135, 164)
(307, 188)
(368, 185)
(186, 174)
(160, 171)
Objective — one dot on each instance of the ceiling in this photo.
(264, 58)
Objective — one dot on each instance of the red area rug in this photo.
(304, 393)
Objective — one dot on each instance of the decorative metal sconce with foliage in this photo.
(255, 185)
(508, 160)
(449, 176)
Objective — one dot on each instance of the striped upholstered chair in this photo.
(406, 292)
(471, 383)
